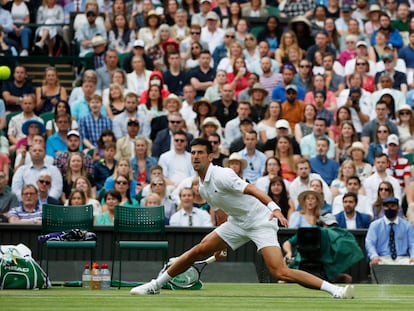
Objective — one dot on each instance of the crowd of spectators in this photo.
(318, 98)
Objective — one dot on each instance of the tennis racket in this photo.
(190, 277)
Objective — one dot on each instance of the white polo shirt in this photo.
(223, 189)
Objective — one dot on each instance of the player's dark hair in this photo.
(202, 142)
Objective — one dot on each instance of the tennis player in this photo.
(252, 216)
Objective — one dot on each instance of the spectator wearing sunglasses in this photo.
(43, 183)
(176, 163)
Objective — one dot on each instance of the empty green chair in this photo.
(148, 221)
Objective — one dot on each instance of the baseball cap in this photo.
(73, 132)
(355, 89)
(388, 200)
(212, 15)
(393, 139)
(139, 43)
(291, 87)
(133, 121)
(282, 123)
(346, 8)
(328, 219)
(387, 56)
(360, 43)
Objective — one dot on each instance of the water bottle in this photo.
(105, 277)
(86, 277)
(96, 277)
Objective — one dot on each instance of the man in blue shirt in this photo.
(377, 241)
(57, 143)
(321, 164)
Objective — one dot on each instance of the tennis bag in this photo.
(18, 270)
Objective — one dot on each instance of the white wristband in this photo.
(272, 206)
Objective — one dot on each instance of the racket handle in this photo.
(210, 259)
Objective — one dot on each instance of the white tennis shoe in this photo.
(346, 292)
(150, 288)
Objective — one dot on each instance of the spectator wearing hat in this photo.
(15, 126)
(399, 167)
(88, 31)
(211, 33)
(210, 126)
(288, 72)
(99, 45)
(400, 78)
(125, 146)
(357, 153)
(73, 145)
(174, 77)
(172, 103)
(236, 163)
(379, 248)
(163, 142)
(30, 129)
(259, 101)
(293, 108)
(149, 32)
(202, 109)
(311, 203)
(373, 19)
(138, 48)
(392, 35)
(57, 143)
(341, 23)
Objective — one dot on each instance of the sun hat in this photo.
(305, 193)
(26, 125)
(235, 157)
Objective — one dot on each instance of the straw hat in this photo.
(356, 145)
(304, 194)
(172, 98)
(405, 107)
(235, 157)
(202, 101)
(210, 121)
(258, 87)
(374, 8)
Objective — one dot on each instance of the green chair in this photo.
(147, 222)
(58, 218)
(409, 157)
(47, 116)
(8, 118)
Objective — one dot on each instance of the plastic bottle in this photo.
(86, 277)
(96, 277)
(105, 277)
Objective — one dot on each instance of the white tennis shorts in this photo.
(263, 234)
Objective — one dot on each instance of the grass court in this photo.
(214, 296)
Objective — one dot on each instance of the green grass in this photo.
(214, 296)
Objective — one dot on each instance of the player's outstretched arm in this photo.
(266, 200)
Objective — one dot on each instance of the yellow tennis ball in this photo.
(4, 72)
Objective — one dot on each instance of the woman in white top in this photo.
(266, 127)
(405, 126)
(21, 16)
(226, 63)
(49, 13)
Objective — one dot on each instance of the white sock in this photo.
(163, 278)
(329, 287)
